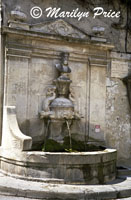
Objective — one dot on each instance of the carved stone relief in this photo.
(59, 27)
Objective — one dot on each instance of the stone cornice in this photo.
(16, 50)
(56, 39)
(81, 50)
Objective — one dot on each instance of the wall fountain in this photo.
(37, 55)
(92, 167)
(58, 108)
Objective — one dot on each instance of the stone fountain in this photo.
(58, 108)
(96, 167)
(26, 122)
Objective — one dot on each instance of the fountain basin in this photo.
(95, 167)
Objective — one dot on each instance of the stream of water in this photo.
(69, 132)
(46, 132)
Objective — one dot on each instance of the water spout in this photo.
(46, 132)
(69, 132)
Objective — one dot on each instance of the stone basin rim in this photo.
(106, 151)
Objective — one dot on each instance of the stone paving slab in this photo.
(2, 197)
(38, 190)
(125, 198)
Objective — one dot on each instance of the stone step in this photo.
(123, 171)
(9, 186)
(129, 198)
(4, 197)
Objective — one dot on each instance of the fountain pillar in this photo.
(61, 108)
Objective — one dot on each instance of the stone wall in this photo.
(30, 70)
(118, 111)
(116, 30)
(118, 118)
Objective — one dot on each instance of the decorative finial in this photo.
(18, 15)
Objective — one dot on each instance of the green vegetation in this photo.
(52, 146)
(77, 146)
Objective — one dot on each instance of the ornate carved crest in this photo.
(59, 27)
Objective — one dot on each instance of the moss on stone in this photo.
(77, 146)
(52, 146)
